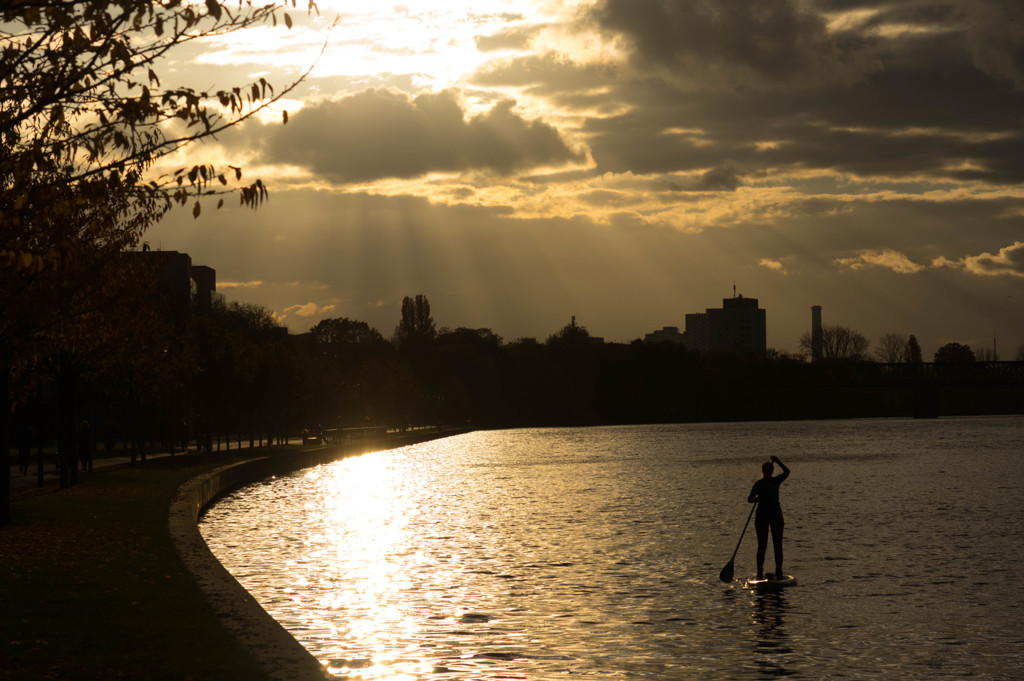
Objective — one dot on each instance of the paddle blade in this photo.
(726, 574)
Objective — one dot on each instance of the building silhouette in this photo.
(738, 324)
(667, 334)
(188, 289)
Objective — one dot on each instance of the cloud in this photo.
(307, 310)
(774, 265)
(380, 134)
(771, 39)
(1009, 261)
(889, 259)
(239, 284)
(714, 180)
(869, 89)
(995, 38)
(515, 38)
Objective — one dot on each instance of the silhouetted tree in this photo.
(892, 348)
(84, 107)
(783, 357)
(838, 344)
(984, 353)
(83, 117)
(469, 384)
(954, 352)
(343, 330)
(342, 346)
(913, 353)
(416, 329)
(240, 381)
(572, 335)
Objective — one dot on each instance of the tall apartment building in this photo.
(188, 288)
(739, 323)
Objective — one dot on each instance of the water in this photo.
(595, 553)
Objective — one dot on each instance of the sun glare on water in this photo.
(373, 555)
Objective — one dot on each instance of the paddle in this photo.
(726, 574)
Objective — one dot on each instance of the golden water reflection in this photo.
(369, 555)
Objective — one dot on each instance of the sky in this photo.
(626, 162)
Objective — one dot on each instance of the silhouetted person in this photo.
(769, 514)
(25, 438)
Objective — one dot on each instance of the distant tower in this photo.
(816, 334)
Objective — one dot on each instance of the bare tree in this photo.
(838, 344)
(892, 348)
(985, 353)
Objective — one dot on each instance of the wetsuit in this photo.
(769, 517)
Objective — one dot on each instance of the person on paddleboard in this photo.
(765, 493)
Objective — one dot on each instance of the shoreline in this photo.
(280, 655)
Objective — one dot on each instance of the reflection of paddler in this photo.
(765, 493)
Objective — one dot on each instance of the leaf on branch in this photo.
(213, 7)
(287, 20)
(196, 210)
(285, 117)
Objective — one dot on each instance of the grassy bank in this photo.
(91, 586)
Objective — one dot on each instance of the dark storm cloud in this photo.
(378, 134)
(908, 89)
(773, 39)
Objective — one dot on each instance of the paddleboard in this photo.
(771, 584)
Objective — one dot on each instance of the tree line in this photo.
(134, 361)
(843, 344)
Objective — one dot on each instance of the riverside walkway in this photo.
(22, 484)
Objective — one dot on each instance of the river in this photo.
(595, 553)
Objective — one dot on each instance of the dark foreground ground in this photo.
(91, 586)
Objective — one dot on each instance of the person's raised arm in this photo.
(785, 470)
